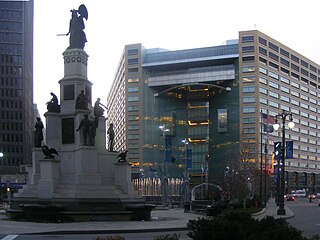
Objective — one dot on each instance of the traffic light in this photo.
(277, 150)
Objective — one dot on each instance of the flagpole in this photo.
(261, 153)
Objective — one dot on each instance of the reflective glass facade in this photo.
(16, 85)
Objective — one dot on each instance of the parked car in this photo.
(290, 197)
(301, 193)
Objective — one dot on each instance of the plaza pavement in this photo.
(162, 220)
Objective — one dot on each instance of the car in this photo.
(290, 198)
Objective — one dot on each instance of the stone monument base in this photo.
(77, 210)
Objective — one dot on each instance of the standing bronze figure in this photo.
(77, 35)
(38, 134)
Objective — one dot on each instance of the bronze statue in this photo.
(82, 101)
(49, 153)
(38, 134)
(111, 137)
(88, 131)
(53, 105)
(77, 35)
(97, 109)
(122, 157)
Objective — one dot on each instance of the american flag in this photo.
(267, 119)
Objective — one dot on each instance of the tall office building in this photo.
(16, 89)
(214, 98)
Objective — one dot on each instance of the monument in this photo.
(74, 177)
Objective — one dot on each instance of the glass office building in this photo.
(16, 88)
(214, 97)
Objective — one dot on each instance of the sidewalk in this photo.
(271, 210)
(171, 219)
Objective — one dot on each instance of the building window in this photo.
(263, 60)
(133, 117)
(247, 49)
(263, 41)
(263, 70)
(273, 94)
(305, 64)
(294, 84)
(247, 120)
(247, 38)
(284, 53)
(285, 62)
(134, 51)
(285, 71)
(273, 47)
(294, 58)
(263, 51)
(133, 127)
(295, 67)
(133, 108)
(294, 75)
(248, 69)
(284, 89)
(133, 89)
(284, 98)
(264, 101)
(285, 80)
(133, 99)
(273, 65)
(304, 72)
(295, 102)
(248, 99)
(263, 90)
(133, 136)
(274, 56)
(247, 58)
(222, 120)
(263, 80)
(248, 89)
(273, 84)
(132, 61)
(249, 130)
(248, 78)
(249, 110)
(274, 104)
(313, 68)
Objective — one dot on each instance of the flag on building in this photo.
(289, 149)
(267, 119)
(267, 122)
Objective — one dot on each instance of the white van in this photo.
(301, 193)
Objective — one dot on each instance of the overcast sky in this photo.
(169, 24)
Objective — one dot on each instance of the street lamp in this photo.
(186, 177)
(165, 174)
(281, 182)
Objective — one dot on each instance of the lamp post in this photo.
(165, 173)
(186, 177)
(276, 126)
(1, 156)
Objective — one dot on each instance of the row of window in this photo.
(11, 126)
(10, 37)
(11, 115)
(14, 49)
(11, 137)
(11, 70)
(274, 47)
(11, 104)
(10, 93)
(13, 59)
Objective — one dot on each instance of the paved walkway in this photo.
(172, 219)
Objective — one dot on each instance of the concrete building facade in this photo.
(16, 88)
(214, 97)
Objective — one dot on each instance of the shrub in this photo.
(168, 237)
(239, 226)
(115, 237)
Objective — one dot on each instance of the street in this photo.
(306, 216)
(127, 236)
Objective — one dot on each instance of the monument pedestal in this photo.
(84, 182)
